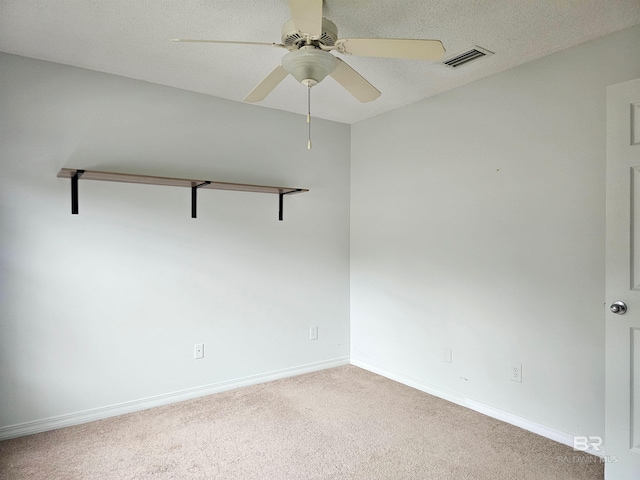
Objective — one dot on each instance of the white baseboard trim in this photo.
(70, 419)
(507, 417)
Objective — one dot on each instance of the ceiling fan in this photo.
(310, 38)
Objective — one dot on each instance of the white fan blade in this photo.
(307, 16)
(266, 86)
(392, 48)
(193, 40)
(355, 84)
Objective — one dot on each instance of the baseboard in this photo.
(67, 420)
(507, 417)
(77, 418)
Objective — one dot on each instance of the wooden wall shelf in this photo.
(193, 184)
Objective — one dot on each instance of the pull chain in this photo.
(309, 115)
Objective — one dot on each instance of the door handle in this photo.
(618, 307)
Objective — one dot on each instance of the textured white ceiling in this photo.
(131, 38)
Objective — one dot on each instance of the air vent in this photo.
(469, 55)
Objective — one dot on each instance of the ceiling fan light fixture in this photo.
(309, 65)
(310, 38)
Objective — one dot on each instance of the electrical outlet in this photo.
(313, 333)
(447, 355)
(198, 350)
(516, 372)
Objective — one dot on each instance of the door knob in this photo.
(618, 307)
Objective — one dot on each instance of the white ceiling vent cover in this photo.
(469, 55)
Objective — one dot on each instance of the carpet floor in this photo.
(341, 423)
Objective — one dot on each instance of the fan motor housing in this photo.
(292, 38)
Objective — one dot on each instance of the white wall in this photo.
(106, 306)
(477, 223)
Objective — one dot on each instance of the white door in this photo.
(622, 401)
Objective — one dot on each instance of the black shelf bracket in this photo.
(194, 198)
(281, 201)
(74, 191)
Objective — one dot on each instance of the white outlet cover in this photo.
(447, 355)
(515, 372)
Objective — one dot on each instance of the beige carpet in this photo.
(342, 423)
